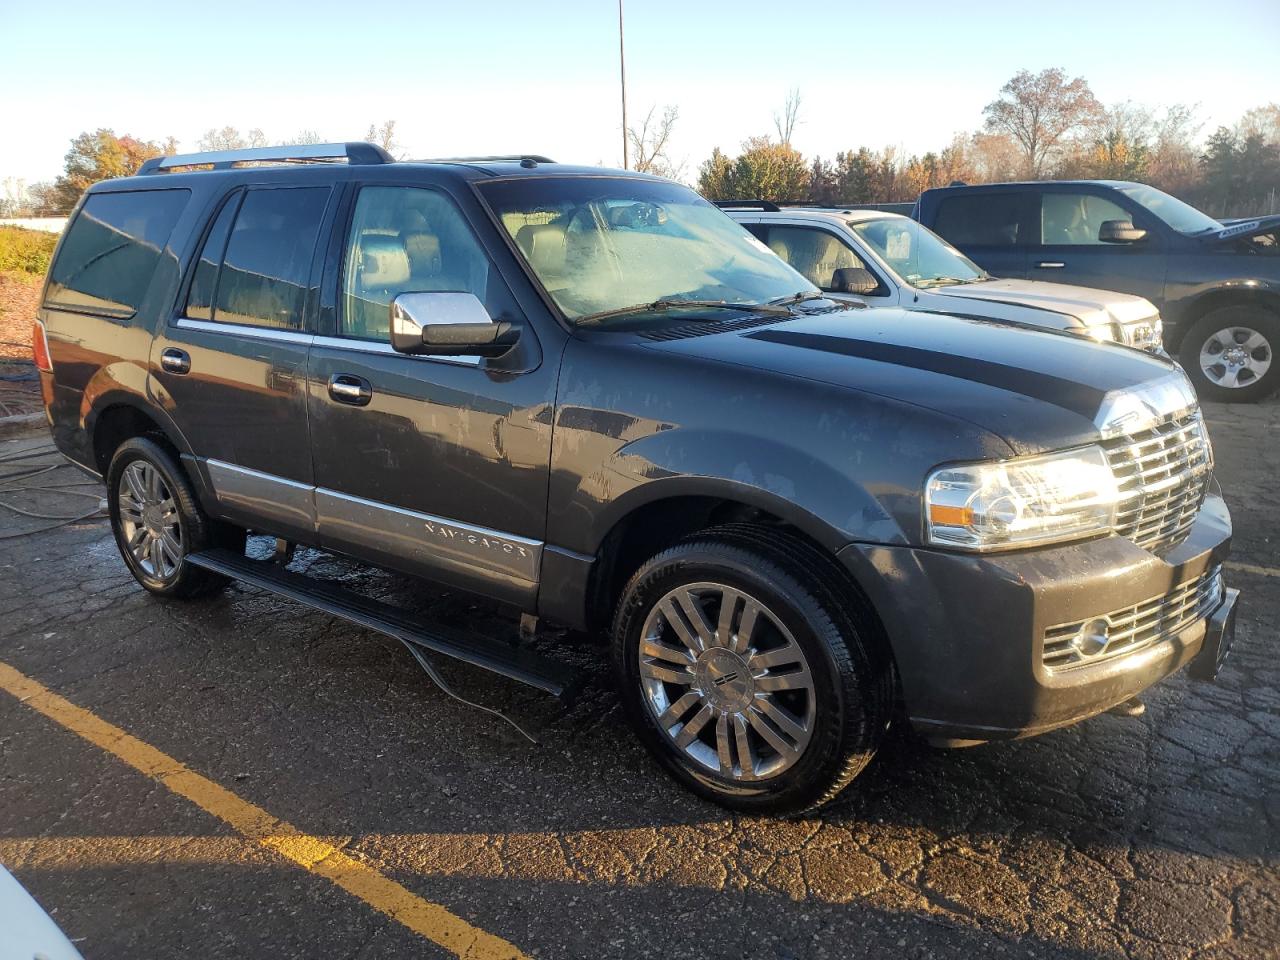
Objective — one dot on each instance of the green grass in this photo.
(26, 251)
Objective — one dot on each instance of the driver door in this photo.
(437, 466)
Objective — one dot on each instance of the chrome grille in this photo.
(1137, 627)
(1163, 473)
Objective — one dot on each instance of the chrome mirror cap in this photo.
(448, 324)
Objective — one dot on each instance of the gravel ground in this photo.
(1154, 837)
(19, 297)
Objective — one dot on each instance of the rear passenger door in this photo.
(993, 229)
(436, 466)
(230, 367)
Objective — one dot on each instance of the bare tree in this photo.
(1042, 111)
(384, 136)
(649, 144)
(303, 137)
(785, 122)
(229, 138)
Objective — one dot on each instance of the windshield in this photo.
(917, 254)
(603, 244)
(1181, 216)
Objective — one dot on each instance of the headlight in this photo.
(1106, 332)
(1021, 503)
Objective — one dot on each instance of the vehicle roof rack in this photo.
(352, 153)
(525, 159)
(767, 205)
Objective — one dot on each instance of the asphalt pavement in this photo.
(154, 754)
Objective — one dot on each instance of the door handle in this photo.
(175, 361)
(1050, 264)
(347, 388)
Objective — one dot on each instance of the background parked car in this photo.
(886, 259)
(1217, 285)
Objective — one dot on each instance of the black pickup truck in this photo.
(591, 396)
(1217, 285)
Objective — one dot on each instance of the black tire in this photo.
(852, 673)
(196, 531)
(1211, 330)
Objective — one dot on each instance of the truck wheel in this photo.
(1229, 354)
(744, 678)
(157, 521)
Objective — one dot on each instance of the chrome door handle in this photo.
(175, 361)
(347, 388)
(1050, 264)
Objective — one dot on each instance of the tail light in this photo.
(40, 348)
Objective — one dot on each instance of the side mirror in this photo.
(448, 325)
(854, 280)
(1119, 231)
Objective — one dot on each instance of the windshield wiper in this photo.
(939, 281)
(671, 304)
(800, 297)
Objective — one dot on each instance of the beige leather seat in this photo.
(543, 245)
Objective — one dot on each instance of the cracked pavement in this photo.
(1149, 837)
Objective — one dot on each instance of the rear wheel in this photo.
(157, 521)
(1229, 354)
(742, 676)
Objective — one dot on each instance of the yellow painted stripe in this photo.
(311, 853)
(1253, 568)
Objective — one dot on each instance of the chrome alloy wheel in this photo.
(1235, 357)
(726, 681)
(149, 520)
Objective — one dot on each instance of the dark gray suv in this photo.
(592, 396)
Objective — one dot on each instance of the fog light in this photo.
(1091, 639)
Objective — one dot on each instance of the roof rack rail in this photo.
(527, 159)
(352, 153)
(766, 205)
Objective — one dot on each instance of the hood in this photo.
(1083, 303)
(1036, 390)
(1233, 230)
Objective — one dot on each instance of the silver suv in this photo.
(885, 259)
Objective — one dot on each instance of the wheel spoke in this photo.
(656, 671)
(171, 547)
(763, 660)
(722, 745)
(157, 557)
(1254, 340)
(728, 607)
(663, 651)
(780, 718)
(134, 483)
(697, 619)
(746, 627)
(785, 748)
(691, 729)
(746, 758)
(681, 629)
(672, 715)
(798, 680)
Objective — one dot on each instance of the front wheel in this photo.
(1229, 354)
(736, 676)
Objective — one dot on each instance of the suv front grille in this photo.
(1137, 627)
(1163, 475)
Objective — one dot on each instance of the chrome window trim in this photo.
(377, 346)
(244, 330)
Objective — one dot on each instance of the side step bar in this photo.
(478, 650)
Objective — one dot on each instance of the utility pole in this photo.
(622, 69)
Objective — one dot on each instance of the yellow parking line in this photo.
(311, 853)
(1253, 568)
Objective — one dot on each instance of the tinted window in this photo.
(817, 254)
(200, 298)
(405, 239)
(979, 219)
(106, 261)
(1074, 219)
(263, 281)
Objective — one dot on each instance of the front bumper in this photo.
(967, 630)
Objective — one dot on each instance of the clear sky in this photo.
(498, 76)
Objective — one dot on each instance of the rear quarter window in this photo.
(109, 254)
(979, 219)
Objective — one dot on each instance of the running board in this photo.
(473, 648)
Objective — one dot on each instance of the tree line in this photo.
(1042, 126)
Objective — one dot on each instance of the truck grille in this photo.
(1135, 628)
(1163, 473)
